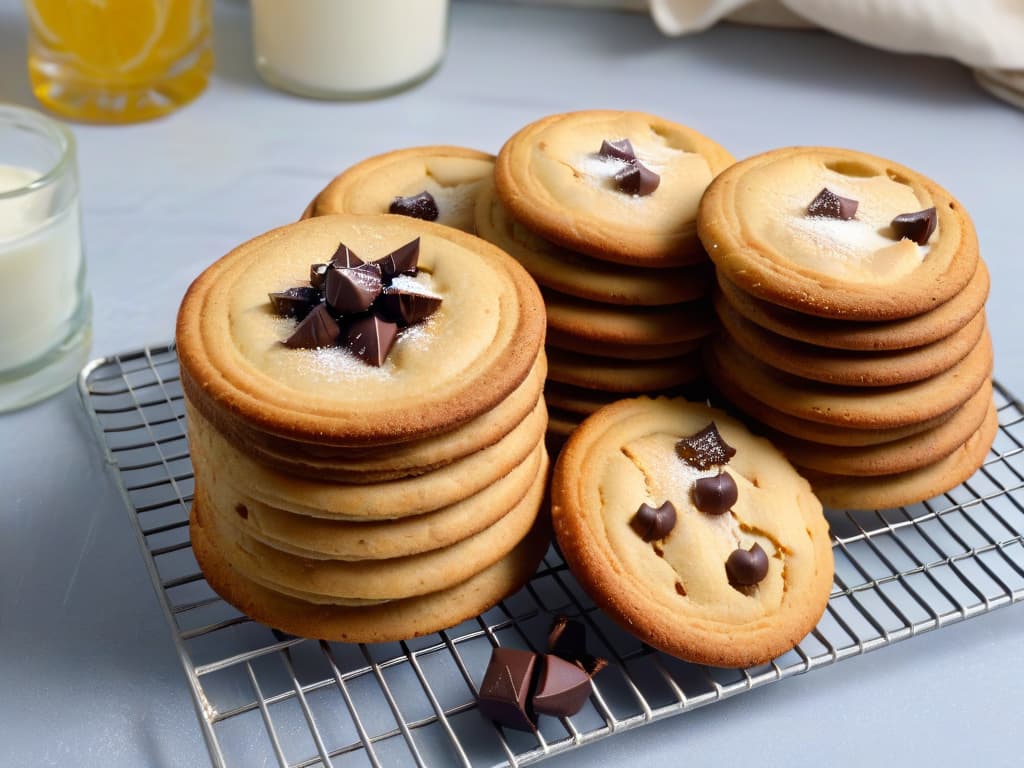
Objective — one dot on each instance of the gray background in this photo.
(88, 676)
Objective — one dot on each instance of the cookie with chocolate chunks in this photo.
(689, 594)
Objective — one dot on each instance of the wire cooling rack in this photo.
(260, 694)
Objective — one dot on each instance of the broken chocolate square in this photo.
(829, 205)
(401, 261)
(345, 258)
(370, 338)
(421, 206)
(916, 226)
(319, 329)
(562, 688)
(353, 290)
(505, 691)
(405, 307)
(637, 179)
(705, 449)
(620, 150)
(295, 302)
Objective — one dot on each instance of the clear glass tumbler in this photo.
(44, 307)
(118, 61)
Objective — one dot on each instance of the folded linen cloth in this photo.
(985, 35)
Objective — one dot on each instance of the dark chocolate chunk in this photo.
(421, 206)
(370, 338)
(295, 302)
(652, 524)
(319, 329)
(715, 495)
(345, 258)
(637, 179)
(405, 307)
(352, 290)
(562, 688)
(505, 692)
(317, 275)
(746, 567)
(705, 449)
(401, 261)
(620, 150)
(567, 639)
(832, 206)
(915, 226)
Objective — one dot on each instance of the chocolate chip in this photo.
(505, 691)
(295, 302)
(915, 226)
(746, 567)
(405, 307)
(401, 261)
(620, 150)
(715, 495)
(242, 511)
(317, 274)
(705, 449)
(567, 639)
(637, 179)
(562, 688)
(370, 338)
(421, 206)
(319, 329)
(351, 290)
(345, 258)
(652, 524)
(832, 206)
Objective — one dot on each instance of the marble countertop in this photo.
(88, 673)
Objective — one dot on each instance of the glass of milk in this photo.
(348, 49)
(44, 307)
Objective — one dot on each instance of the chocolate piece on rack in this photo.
(620, 150)
(567, 639)
(562, 688)
(345, 258)
(352, 290)
(746, 567)
(715, 495)
(829, 205)
(401, 261)
(652, 524)
(370, 338)
(637, 179)
(319, 329)
(917, 226)
(295, 302)
(705, 449)
(317, 275)
(505, 692)
(405, 307)
(421, 206)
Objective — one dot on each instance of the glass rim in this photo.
(59, 134)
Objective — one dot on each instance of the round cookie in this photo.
(551, 178)
(452, 176)
(675, 592)
(611, 375)
(385, 622)
(313, 537)
(388, 500)
(901, 489)
(934, 325)
(857, 407)
(597, 323)
(909, 453)
(340, 582)
(574, 274)
(858, 369)
(465, 359)
(755, 225)
(571, 343)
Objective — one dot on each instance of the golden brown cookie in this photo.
(939, 323)
(451, 175)
(857, 407)
(858, 369)
(698, 588)
(384, 622)
(768, 230)
(613, 375)
(571, 343)
(551, 178)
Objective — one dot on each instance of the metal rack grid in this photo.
(260, 693)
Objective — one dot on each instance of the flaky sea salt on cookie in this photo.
(691, 533)
(837, 234)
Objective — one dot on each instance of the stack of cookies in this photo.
(366, 423)
(600, 208)
(851, 295)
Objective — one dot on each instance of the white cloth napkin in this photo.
(985, 35)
